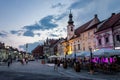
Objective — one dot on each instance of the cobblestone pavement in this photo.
(30, 76)
(36, 71)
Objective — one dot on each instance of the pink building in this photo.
(108, 33)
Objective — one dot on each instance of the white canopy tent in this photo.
(71, 55)
(80, 54)
(83, 54)
(61, 56)
(106, 52)
(54, 56)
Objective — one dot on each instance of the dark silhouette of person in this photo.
(55, 64)
(9, 60)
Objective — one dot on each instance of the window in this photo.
(118, 37)
(71, 28)
(74, 47)
(88, 34)
(71, 48)
(78, 46)
(107, 40)
(99, 42)
(83, 48)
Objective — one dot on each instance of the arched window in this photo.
(106, 37)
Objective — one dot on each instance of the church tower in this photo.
(70, 27)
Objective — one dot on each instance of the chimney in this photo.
(95, 15)
(113, 14)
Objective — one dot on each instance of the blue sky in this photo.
(32, 21)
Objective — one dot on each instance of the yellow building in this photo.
(82, 38)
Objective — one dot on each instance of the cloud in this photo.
(14, 32)
(17, 32)
(3, 34)
(60, 17)
(38, 34)
(44, 23)
(29, 33)
(32, 27)
(58, 5)
(47, 22)
(80, 4)
(53, 35)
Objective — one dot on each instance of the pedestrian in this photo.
(55, 64)
(58, 63)
(22, 61)
(9, 60)
(26, 60)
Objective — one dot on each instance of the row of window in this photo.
(75, 47)
(79, 48)
(107, 39)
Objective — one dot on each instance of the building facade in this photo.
(82, 38)
(94, 34)
(108, 33)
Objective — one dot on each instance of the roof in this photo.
(90, 24)
(118, 23)
(82, 28)
(110, 22)
(38, 49)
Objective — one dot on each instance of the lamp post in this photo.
(66, 53)
(75, 53)
(67, 49)
(91, 63)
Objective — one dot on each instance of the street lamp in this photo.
(91, 63)
(67, 49)
(75, 53)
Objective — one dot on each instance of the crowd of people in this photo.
(23, 61)
(104, 64)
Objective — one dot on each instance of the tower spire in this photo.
(70, 18)
(70, 11)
